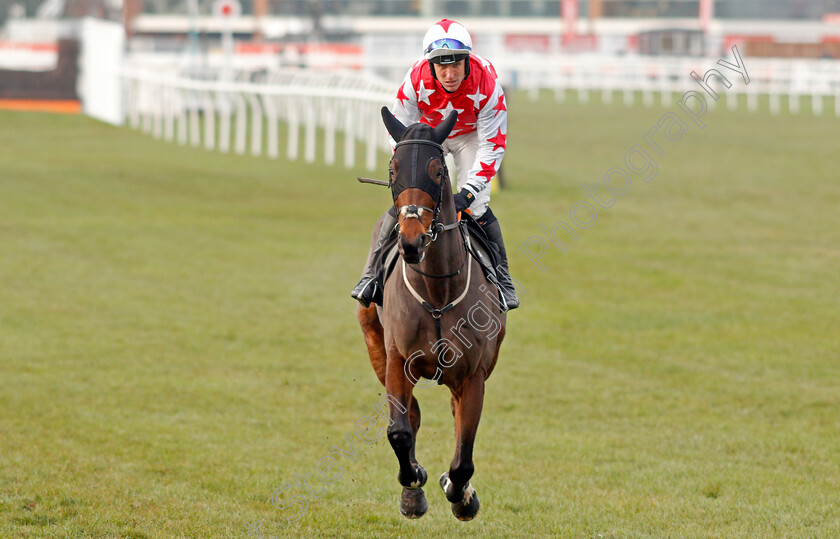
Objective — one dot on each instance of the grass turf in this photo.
(177, 339)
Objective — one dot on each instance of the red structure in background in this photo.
(569, 11)
(706, 11)
(131, 9)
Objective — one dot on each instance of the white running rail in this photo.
(670, 77)
(230, 115)
(199, 109)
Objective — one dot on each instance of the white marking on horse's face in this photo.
(415, 214)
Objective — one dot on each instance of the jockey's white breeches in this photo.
(463, 149)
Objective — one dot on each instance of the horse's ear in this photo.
(445, 127)
(395, 127)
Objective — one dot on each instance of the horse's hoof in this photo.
(467, 507)
(413, 503)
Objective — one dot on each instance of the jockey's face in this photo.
(450, 75)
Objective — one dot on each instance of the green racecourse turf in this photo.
(177, 339)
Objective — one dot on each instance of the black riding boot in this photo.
(490, 224)
(369, 288)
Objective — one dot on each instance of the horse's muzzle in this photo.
(412, 248)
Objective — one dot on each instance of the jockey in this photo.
(450, 77)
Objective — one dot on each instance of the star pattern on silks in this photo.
(423, 94)
(500, 106)
(498, 141)
(401, 94)
(477, 97)
(447, 110)
(488, 171)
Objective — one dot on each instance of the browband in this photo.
(419, 141)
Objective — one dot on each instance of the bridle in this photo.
(415, 210)
(435, 229)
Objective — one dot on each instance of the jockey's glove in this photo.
(463, 199)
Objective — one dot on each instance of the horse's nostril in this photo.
(411, 249)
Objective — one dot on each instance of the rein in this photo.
(445, 275)
(438, 229)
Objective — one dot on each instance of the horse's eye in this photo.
(439, 173)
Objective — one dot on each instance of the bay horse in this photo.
(437, 300)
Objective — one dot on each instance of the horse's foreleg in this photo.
(414, 421)
(405, 420)
(467, 404)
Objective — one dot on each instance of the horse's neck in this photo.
(445, 255)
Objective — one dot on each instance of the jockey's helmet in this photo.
(447, 42)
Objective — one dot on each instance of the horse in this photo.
(438, 295)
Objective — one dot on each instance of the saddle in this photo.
(478, 246)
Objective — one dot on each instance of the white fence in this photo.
(219, 114)
(196, 108)
(666, 77)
